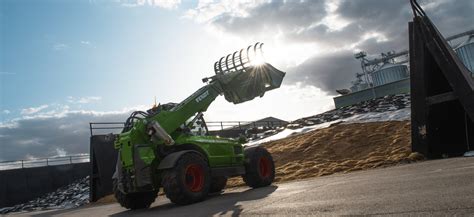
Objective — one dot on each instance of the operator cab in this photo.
(196, 125)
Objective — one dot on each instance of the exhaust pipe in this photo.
(156, 131)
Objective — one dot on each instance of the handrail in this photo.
(106, 127)
(459, 35)
(21, 164)
(223, 125)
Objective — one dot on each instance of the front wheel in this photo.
(259, 167)
(189, 181)
(139, 200)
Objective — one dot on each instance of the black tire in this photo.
(259, 167)
(189, 181)
(140, 200)
(218, 183)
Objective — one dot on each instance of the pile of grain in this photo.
(340, 148)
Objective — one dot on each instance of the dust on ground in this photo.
(340, 148)
(106, 199)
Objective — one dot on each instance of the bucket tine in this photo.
(244, 75)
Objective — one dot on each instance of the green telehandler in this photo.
(169, 147)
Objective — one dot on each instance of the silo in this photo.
(465, 52)
(388, 73)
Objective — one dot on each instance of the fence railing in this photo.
(20, 164)
(105, 126)
(211, 125)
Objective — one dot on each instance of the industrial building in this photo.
(389, 73)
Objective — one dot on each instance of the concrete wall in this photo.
(21, 185)
(402, 86)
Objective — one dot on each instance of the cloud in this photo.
(30, 142)
(6, 111)
(336, 28)
(327, 72)
(83, 100)
(60, 152)
(166, 4)
(53, 133)
(33, 110)
(60, 46)
(85, 42)
(251, 17)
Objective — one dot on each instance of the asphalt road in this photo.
(438, 187)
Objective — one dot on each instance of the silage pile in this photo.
(340, 148)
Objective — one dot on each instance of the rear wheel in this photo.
(189, 181)
(218, 183)
(259, 167)
(139, 200)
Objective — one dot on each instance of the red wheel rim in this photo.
(265, 167)
(194, 177)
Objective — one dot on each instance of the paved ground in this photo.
(439, 187)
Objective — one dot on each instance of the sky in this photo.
(66, 63)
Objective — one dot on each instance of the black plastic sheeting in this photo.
(103, 161)
(246, 84)
(21, 185)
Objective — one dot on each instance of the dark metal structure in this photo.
(103, 158)
(442, 92)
